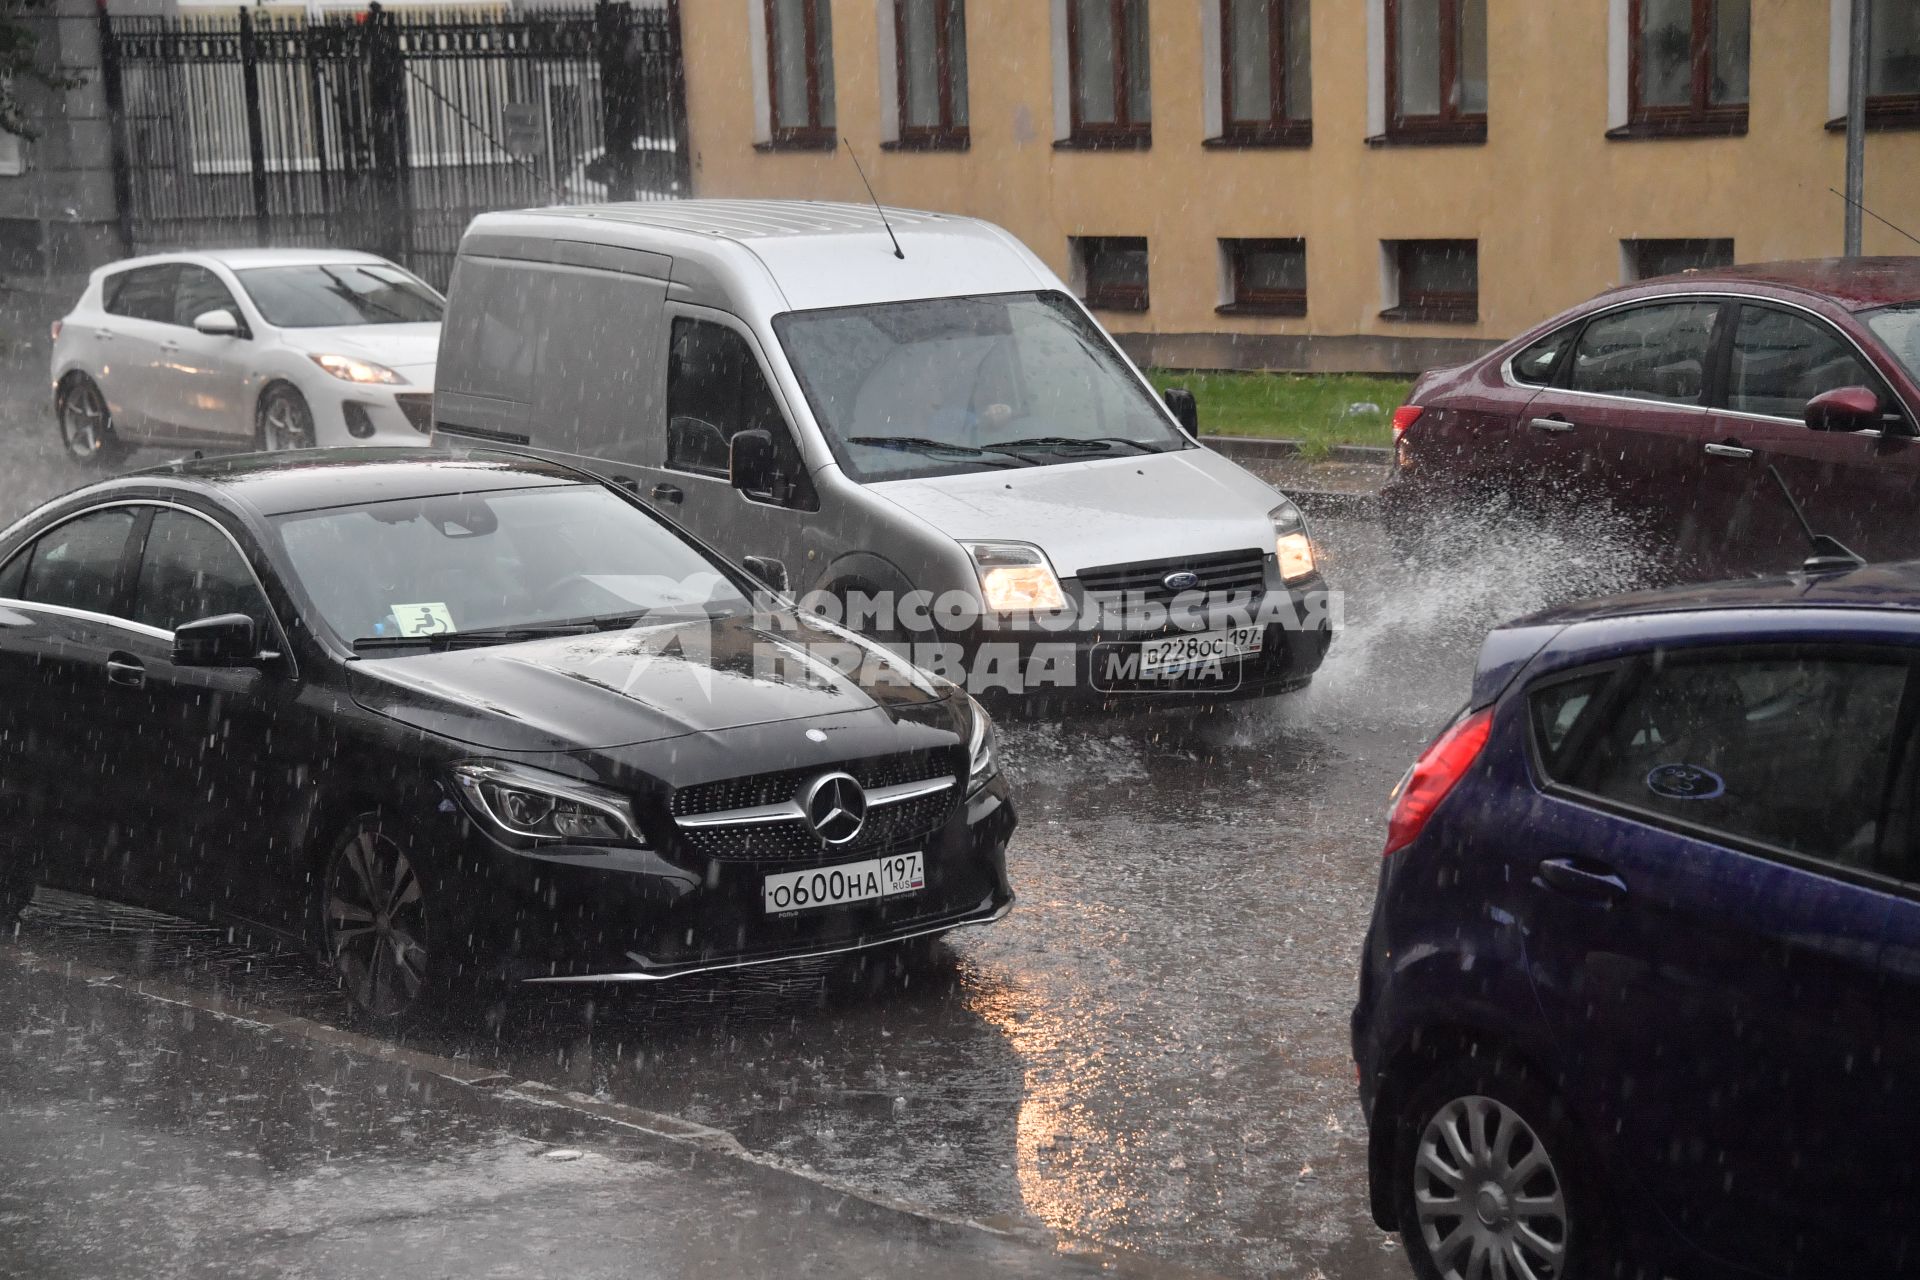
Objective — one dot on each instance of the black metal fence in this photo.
(386, 131)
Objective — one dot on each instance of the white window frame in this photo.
(1213, 93)
(1377, 73)
(1839, 68)
(762, 85)
(1062, 74)
(887, 50)
(1619, 64)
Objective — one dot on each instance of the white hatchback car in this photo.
(246, 349)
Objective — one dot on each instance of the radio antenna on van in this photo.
(877, 207)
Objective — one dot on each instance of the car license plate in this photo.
(1175, 652)
(838, 886)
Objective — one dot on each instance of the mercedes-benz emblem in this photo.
(835, 807)
(1181, 581)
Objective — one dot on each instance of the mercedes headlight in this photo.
(1292, 548)
(983, 751)
(532, 804)
(1015, 578)
(348, 369)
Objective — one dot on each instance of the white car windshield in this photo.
(324, 295)
(948, 385)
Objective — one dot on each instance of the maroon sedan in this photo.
(1658, 407)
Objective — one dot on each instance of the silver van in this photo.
(907, 420)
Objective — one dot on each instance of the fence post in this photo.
(112, 91)
(386, 69)
(619, 96)
(256, 133)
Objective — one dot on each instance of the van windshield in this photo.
(948, 385)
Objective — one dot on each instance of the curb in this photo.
(611, 1120)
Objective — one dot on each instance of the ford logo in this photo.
(1182, 581)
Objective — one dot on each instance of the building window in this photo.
(1688, 72)
(1112, 271)
(1436, 280)
(1109, 73)
(1265, 277)
(1893, 64)
(1436, 53)
(1645, 259)
(800, 72)
(1266, 82)
(930, 60)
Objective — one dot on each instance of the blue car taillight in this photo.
(1434, 774)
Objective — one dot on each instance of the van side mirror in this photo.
(1844, 409)
(767, 569)
(225, 640)
(218, 324)
(1186, 410)
(750, 462)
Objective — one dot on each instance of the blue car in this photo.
(1641, 992)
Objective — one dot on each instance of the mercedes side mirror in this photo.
(768, 570)
(1845, 409)
(1186, 410)
(225, 640)
(218, 324)
(750, 461)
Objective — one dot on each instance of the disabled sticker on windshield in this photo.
(423, 619)
(1686, 782)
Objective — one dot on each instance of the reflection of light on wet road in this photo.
(1055, 1148)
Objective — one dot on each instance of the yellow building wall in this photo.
(1548, 196)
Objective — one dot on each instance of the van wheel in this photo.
(382, 932)
(86, 424)
(1492, 1180)
(283, 421)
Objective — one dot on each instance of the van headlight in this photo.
(1292, 548)
(532, 804)
(983, 749)
(1015, 578)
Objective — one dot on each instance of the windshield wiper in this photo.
(1092, 444)
(926, 444)
(465, 639)
(346, 292)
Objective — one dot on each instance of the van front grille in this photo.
(1220, 576)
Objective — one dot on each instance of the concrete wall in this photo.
(59, 214)
(1548, 195)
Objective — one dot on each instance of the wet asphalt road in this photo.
(1149, 1053)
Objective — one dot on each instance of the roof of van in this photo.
(814, 254)
(757, 219)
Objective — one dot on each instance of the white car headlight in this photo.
(983, 754)
(532, 804)
(1292, 547)
(349, 369)
(1015, 578)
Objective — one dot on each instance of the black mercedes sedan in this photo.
(453, 719)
